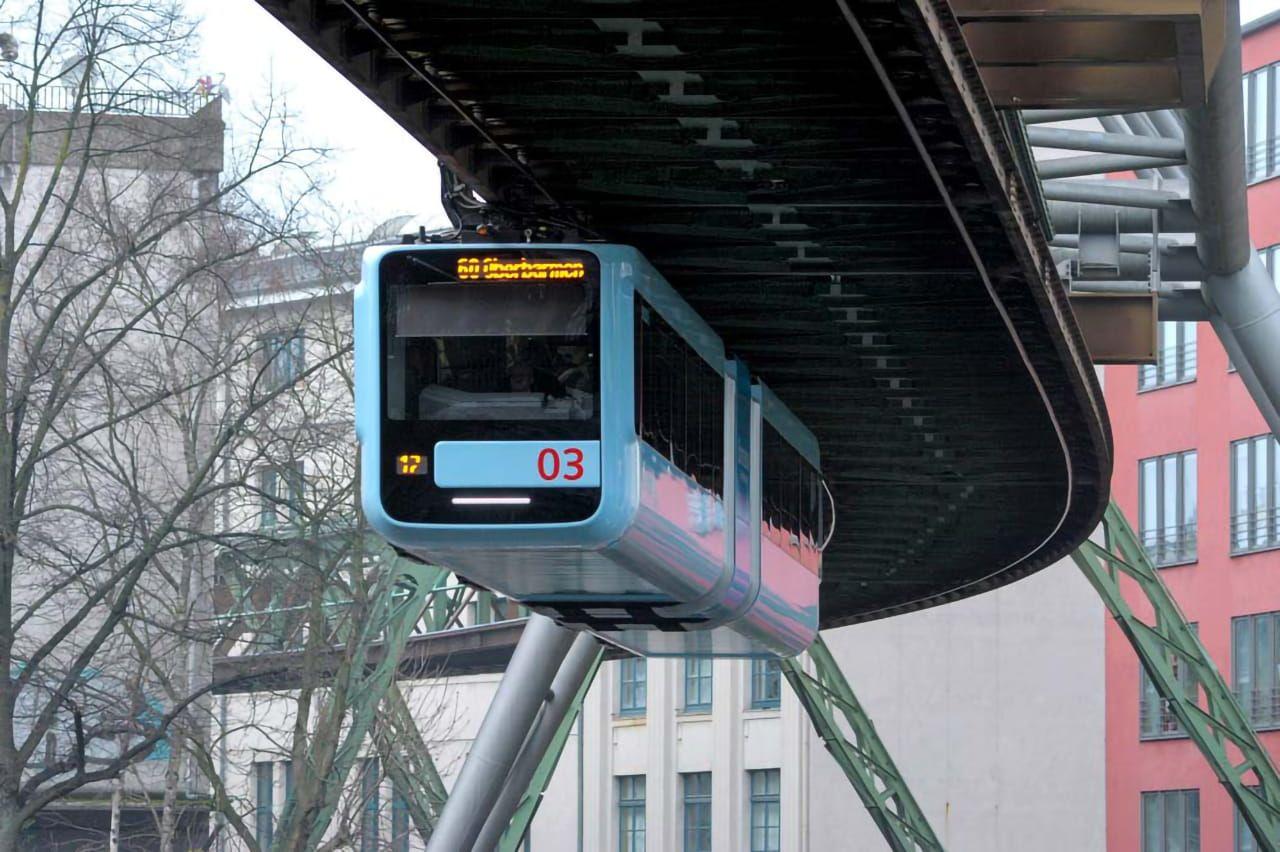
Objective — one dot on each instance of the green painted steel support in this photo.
(826, 696)
(407, 761)
(523, 817)
(1210, 715)
(398, 600)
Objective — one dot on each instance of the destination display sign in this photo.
(511, 267)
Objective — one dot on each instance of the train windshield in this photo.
(482, 348)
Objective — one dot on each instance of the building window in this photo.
(1167, 507)
(1171, 821)
(766, 684)
(369, 805)
(1176, 348)
(1254, 663)
(287, 766)
(399, 822)
(282, 488)
(1156, 719)
(632, 686)
(631, 813)
(696, 787)
(697, 685)
(282, 359)
(1255, 494)
(766, 810)
(264, 803)
(1260, 122)
(1245, 841)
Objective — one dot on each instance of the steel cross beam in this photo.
(1210, 715)
(825, 696)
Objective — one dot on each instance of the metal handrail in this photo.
(1185, 362)
(1171, 544)
(1157, 720)
(1258, 529)
(156, 103)
(1262, 706)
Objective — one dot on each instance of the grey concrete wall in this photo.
(993, 708)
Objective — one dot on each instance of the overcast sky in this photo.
(378, 170)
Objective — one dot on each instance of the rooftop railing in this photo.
(150, 102)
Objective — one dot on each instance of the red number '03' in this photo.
(573, 462)
(543, 457)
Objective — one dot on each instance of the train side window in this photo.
(790, 503)
(679, 401)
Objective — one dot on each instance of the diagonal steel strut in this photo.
(825, 696)
(1209, 714)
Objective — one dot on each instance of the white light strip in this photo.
(491, 501)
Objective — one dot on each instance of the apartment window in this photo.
(1269, 256)
(1176, 348)
(264, 803)
(1171, 821)
(1156, 719)
(282, 359)
(1254, 672)
(697, 685)
(399, 822)
(282, 488)
(696, 788)
(287, 766)
(632, 686)
(766, 810)
(1260, 122)
(1167, 507)
(369, 805)
(766, 684)
(1255, 494)
(631, 813)
(1245, 841)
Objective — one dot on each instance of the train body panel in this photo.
(622, 485)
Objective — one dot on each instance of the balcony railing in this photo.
(1256, 530)
(1260, 706)
(1262, 159)
(150, 102)
(1156, 720)
(1172, 545)
(1176, 365)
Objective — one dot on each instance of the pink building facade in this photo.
(1198, 475)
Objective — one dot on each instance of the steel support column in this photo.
(523, 793)
(507, 724)
(1210, 716)
(826, 696)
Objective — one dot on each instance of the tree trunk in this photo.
(117, 799)
(169, 813)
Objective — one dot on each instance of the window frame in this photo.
(1260, 533)
(764, 789)
(695, 811)
(633, 687)
(284, 356)
(699, 684)
(765, 672)
(1185, 538)
(632, 823)
(1258, 673)
(1261, 142)
(1167, 727)
(370, 839)
(1185, 351)
(264, 816)
(1190, 806)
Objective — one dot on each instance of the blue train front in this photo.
(555, 423)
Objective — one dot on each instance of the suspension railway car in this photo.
(555, 423)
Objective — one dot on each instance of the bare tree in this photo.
(126, 388)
